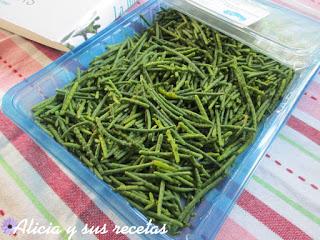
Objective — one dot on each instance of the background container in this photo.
(211, 213)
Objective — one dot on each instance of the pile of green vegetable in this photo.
(162, 116)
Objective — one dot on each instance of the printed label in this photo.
(239, 12)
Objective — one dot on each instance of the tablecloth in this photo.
(281, 201)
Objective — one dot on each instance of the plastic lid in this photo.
(280, 32)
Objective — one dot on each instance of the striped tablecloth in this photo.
(282, 200)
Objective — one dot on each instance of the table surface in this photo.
(281, 201)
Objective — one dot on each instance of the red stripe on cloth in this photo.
(51, 53)
(18, 57)
(305, 129)
(15, 63)
(60, 183)
(231, 231)
(273, 220)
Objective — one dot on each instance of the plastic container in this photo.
(215, 207)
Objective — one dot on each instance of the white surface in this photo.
(56, 19)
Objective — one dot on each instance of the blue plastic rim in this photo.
(214, 208)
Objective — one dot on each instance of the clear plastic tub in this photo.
(214, 208)
(282, 34)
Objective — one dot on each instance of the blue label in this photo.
(235, 14)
